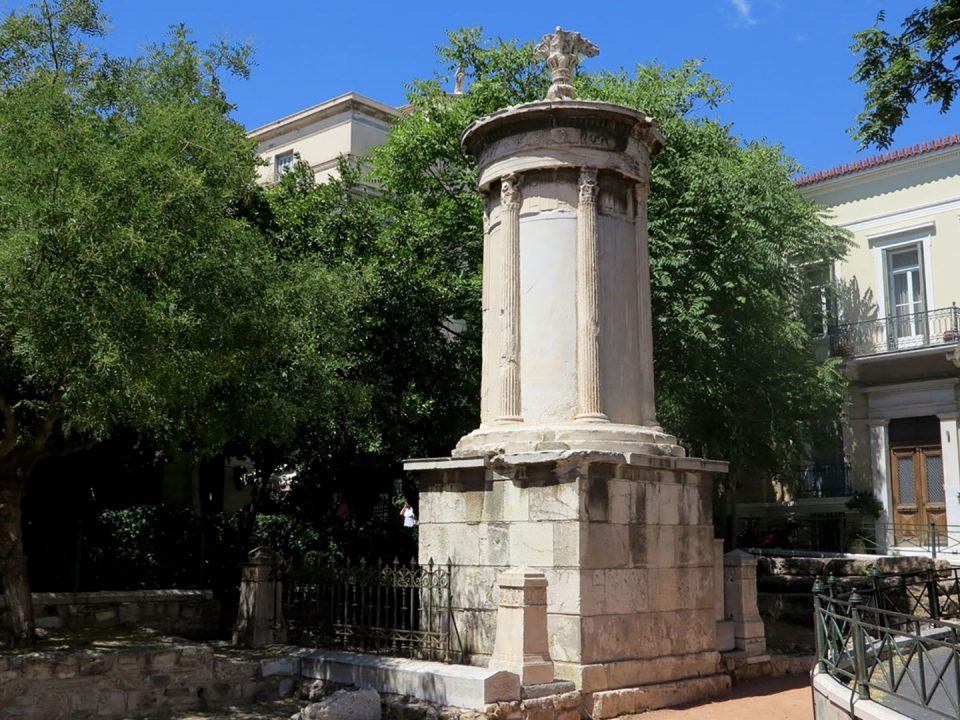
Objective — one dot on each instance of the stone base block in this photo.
(557, 687)
(726, 639)
(529, 438)
(639, 672)
(742, 666)
(456, 685)
(628, 701)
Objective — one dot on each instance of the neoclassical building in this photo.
(889, 310)
(349, 125)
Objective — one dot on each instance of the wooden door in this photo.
(918, 494)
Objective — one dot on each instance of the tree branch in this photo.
(49, 420)
(9, 428)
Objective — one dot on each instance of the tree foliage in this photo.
(899, 68)
(728, 232)
(135, 290)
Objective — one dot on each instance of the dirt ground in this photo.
(784, 698)
(280, 710)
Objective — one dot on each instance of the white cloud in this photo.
(743, 9)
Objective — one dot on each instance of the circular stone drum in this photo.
(567, 340)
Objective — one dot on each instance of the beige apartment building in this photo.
(349, 125)
(889, 310)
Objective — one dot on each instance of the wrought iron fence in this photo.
(932, 538)
(385, 608)
(905, 661)
(898, 332)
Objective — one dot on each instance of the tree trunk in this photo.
(13, 561)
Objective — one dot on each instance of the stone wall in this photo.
(111, 684)
(187, 613)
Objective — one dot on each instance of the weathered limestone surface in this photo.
(454, 685)
(625, 543)
(740, 602)
(260, 613)
(521, 644)
(567, 345)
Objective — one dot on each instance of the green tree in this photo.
(134, 289)
(728, 232)
(899, 68)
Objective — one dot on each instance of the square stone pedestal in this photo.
(626, 543)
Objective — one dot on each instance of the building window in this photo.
(818, 303)
(282, 163)
(905, 290)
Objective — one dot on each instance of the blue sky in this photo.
(788, 61)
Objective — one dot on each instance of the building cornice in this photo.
(343, 103)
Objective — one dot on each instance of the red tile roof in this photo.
(877, 160)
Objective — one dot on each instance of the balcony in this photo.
(825, 480)
(900, 333)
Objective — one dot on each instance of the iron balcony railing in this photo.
(892, 641)
(825, 480)
(897, 333)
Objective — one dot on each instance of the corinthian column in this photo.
(588, 301)
(508, 406)
(648, 410)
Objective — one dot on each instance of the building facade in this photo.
(349, 125)
(889, 310)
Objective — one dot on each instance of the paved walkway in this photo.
(783, 698)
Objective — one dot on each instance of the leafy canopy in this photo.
(729, 233)
(134, 288)
(899, 69)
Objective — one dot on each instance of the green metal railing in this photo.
(908, 661)
(931, 538)
(384, 608)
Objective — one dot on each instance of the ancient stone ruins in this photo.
(569, 493)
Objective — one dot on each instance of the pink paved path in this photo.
(782, 698)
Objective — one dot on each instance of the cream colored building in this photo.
(349, 125)
(894, 320)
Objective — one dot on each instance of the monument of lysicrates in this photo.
(569, 472)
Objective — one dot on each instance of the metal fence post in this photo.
(933, 539)
(933, 592)
(819, 623)
(859, 646)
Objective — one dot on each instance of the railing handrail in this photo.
(950, 309)
(896, 654)
(896, 333)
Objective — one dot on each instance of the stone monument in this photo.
(569, 472)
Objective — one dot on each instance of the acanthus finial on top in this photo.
(562, 50)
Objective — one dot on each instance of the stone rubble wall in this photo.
(176, 612)
(112, 684)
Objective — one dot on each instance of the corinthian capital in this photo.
(589, 190)
(510, 189)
